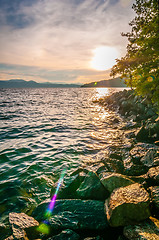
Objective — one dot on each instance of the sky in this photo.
(62, 41)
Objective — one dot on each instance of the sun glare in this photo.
(104, 58)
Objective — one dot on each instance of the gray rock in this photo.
(67, 234)
(147, 230)
(127, 205)
(91, 188)
(74, 215)
(153, 175)
(112, 181)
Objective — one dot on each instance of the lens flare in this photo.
(150, 78)
(44, 226)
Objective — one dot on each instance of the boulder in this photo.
(127, 205)
(147, 230)
(74, 214)
(67, 234)
(92, 188)
(112, 181)
(20, 222)
(153, 175)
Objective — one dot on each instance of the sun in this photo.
(104, 58)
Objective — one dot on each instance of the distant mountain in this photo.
(20, 83)
(114, 82)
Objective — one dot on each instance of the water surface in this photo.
(41, 130)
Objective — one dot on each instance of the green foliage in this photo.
(140, 66)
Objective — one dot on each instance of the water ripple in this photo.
(41, 130)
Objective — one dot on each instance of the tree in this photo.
(140, 66)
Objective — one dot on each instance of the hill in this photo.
(114, 82)
(20, 83)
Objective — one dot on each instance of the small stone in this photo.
(127, 205)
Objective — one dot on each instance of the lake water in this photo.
(41, 130)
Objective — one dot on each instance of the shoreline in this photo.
(130, 173)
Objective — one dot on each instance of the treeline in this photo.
(140, 66)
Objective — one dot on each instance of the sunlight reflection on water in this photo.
(43, 130)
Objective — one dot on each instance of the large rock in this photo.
(66, 235)
(127, 205)
(147, 230)
(112, 181)
(92, 188)
(74, 214)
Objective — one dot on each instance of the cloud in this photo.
(61, 35)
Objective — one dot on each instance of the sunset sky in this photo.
(62, 41)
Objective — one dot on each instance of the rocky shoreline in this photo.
(119, 200)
